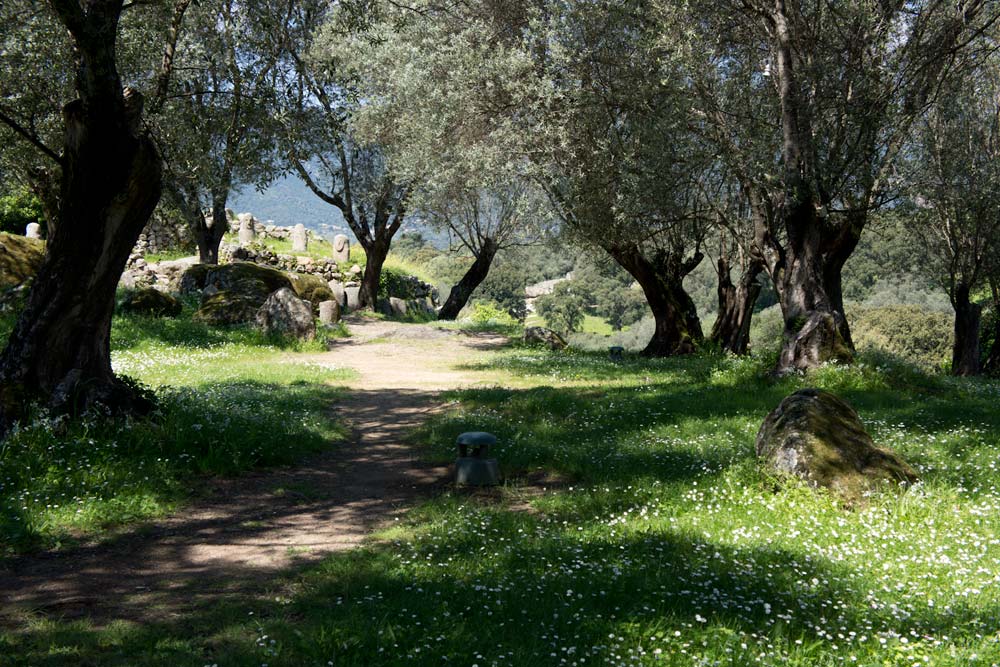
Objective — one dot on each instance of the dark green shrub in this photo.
(19, 209)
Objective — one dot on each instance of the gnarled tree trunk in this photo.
(808, 286)
(992, 365)
(209, 237)
(473, 278)
(965, 354)
(59, 353)
(661, 278)
(736, 303)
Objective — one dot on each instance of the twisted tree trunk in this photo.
(59, 353)
(661, 278)
(992, 365)
(209, 237)
(377, 250)
(736, 303)
(473, 278)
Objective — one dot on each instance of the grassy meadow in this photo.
(228, 400)
(635, 528)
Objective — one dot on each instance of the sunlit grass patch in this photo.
(228, 400)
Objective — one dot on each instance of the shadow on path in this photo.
(244, 529)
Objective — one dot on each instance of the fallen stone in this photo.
(818, 437)
(329, 312)
(150, 302)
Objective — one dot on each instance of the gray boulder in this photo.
(818, 437)
(339, 295)
(329, 312)
(286, 314)
(226, 307)
(544, 336)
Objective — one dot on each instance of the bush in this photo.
(766, 329)
(487, 313)
(18, 210)
(393, 282)
(564, 308)
(912, 333)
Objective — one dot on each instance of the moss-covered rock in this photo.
(312, 288)
(152, 302)
(225, 308)
(20, 259)
(194, 279)
(818, 437)
(242, 277)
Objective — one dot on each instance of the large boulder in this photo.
(329, 312)
(353, 295)
(232, 293)
(312, 288)
(286, 314)
(545, 337)
(224, 308)
(818, 437)
(151, 302)
(244, 278)
(339, 295)
(20, 259)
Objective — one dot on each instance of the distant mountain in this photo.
(288, 201)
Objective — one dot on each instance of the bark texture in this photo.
(731, 330)
(376, 250)
(992, 365)
(473, 278)
(59, 352)
(661, 277)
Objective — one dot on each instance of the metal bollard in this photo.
(474, 468)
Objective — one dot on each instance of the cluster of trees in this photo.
(766, 133)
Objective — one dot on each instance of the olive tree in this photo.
(216, 128)
(957, 191)
(345, 169)
(108, 173)
(580, 97)
(809, 105)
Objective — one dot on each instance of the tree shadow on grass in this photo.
(678, 417)
(464, 596)
(113, 471)
(131, 331)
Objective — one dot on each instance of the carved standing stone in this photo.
(300, 240)
(247, 232)
(341, 249)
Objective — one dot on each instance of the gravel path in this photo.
(244, 530)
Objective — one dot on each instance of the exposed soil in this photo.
(244, 530)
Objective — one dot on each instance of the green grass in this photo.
(663, 543)
(591, 324)
(228, 400)
(169, 255)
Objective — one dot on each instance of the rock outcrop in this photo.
(20, 259)
(545, 337)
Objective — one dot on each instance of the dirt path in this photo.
(248, 528)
